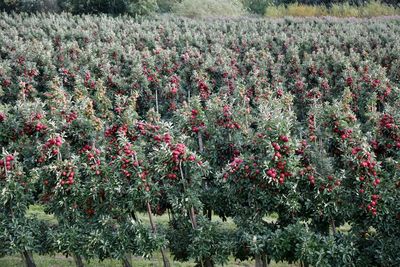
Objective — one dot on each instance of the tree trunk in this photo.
(28, 259)
(153, 227)
(193, 218)
(157, 101)
(205, 262)
(333, 227)
(260, 261)
(265, 261)
(126, 262)
(78, 261)
(200, 139)
(133, 215)
(165, 259)
(207, 211)
(208, 262)
(209, 214)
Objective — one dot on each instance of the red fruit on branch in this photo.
(191, 158)
(58, 141)
(376, 182)
(39, 127)
(375, 83)
(375, 197)
(364, 164)
(311, 179)
(398, 145)
(2, 117)
(6, 83)
(271, 173)
(143, 175)
(157, 138)
(195, 129)
(355, 150)
(349, 81)
(284, 138)
(178, 151)
(194, 113)
(276, 146)
(279, 92)
(172, 176)
(167, 138)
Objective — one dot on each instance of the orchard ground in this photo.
(156, 260)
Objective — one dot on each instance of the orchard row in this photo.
(103, 118)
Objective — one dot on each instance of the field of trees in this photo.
(181, 142)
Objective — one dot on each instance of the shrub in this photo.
(209, 8)
(142, 7)
(134, 7)
(30, 5)
(165, 6)
(257, 6)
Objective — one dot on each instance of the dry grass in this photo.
(300, 10)
(344, 10)
(372, 9)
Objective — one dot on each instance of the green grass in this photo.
(344, 228)
(38, 212)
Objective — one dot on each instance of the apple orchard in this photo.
(103, 119)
